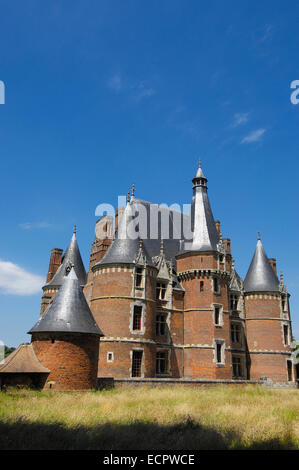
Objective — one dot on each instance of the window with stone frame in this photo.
(162, 362)
(286, 335)
(284, 304)
(236, 332)
(138, 277)
(161, 290)
(137, 317)
(237, 366)
(219, 351)
(110, 356)
(218, 315)
(216, 285)
(136, 363)
(161, 324)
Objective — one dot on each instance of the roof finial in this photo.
(281, 278)
(258, 235)
(162, 247)
(75, 229)
(133, 190)
(199, 163)
(140, 244)
(128, 197)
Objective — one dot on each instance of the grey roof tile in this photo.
(260, 276)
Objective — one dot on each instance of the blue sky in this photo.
(103, 94)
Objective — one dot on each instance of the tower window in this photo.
(236, 336)
(138, 277)
(216, 285)
(162, 362)
(161, 325)
(290, 370)
(286, 334)
(201, 286)
(217, 315)
(160, 290)
(283, 304)
(137, 315)
(110, 357)
(136, 363)
(219, 352)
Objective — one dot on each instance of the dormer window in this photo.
(161, 290)
(138, 277)
(234, 302)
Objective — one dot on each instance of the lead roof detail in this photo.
(69, 311)
(260, 276)
(71, 257)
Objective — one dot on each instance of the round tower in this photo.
(66, 339)
(268, 324)
(203, 268)
(123, 304)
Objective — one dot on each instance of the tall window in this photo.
(136, 363)
(286, 334)
(161, 325)
(217, 315)
(201, 286)
(284, 304)
(237, 367)
(160, 290)
(236, 334)
(138, 277)
(219, 354)
(137, 316)
(216, 285)
(162, 362)
(290, 370)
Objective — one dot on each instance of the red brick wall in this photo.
(72, 359)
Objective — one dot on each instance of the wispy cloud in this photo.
(254, 136)
(17, 281)
(137, 90)
(33, 225)
(239, 119)
(115, 83)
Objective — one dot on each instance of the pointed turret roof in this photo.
(71, 257)
(69, 311)
(260, 276)
(126, 244)
(205, 235)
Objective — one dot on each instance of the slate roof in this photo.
(260, 276)
(71, 257)
(69, 311)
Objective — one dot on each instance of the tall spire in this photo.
(71, 257)
(260, 276)
(69, 311)
(205, 235)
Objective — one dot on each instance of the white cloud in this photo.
(32, 225)
(17, 281)
(240, 118)
(137, 91)
(254, 136)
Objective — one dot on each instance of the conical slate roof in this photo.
(72, 257)
(205, 235)
(260, 276)
(69, 311)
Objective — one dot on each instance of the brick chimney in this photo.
(55, 262)
(272, 261)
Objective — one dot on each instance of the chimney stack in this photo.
(272, 261)
(55, 262)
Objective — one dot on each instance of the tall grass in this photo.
(221, 417)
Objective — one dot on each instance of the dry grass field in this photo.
(151, 418)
